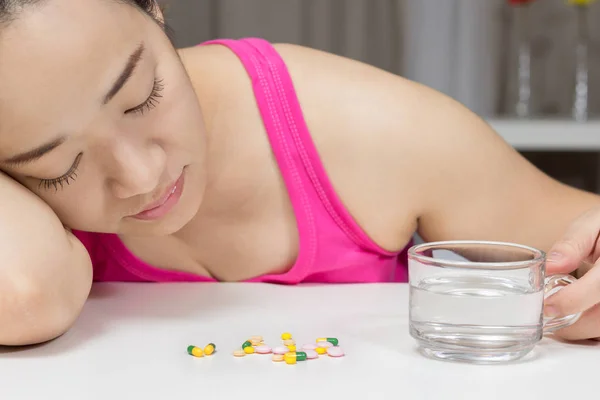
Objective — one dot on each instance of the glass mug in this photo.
(479, 301)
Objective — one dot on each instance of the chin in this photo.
(165, 227)
(176, 223)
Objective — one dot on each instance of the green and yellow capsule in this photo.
(195, 351)
(246, 344)
(292, 357)
(209, 349)
(331, 340)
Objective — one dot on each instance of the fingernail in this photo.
(551, 311)
(555, 256)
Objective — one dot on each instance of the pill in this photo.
(321, 350)
(249, 350)
(291, 347)
(311, 354)
(325, 345)
(286, 336)
(195, 351)
(256, 338)
(209, 349)
(277, 357)
(239, 353)
(281, 350)
(292, 357)
(256, 342)
(246, 344)
(335, 351)
(309, 346)
(264, 349)
(289, 342)
(331, 340)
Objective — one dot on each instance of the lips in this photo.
(160, 207)
(162, 200)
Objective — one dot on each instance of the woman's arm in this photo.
(45, 272)
(479, 187)
(421, 160)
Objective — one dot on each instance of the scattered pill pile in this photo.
(288, 351)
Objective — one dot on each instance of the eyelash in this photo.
(66, 179)
(152, 101)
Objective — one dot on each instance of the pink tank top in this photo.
(332, 248)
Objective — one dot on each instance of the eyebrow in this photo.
(132, 63)
(35, 154)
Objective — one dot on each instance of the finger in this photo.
(576, 297)
(588, 326)
(577, 244)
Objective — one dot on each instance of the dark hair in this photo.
(9, 9)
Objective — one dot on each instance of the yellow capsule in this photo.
(195, 351)
(293, 357)
(249, 350)
(239, 353)
(290, 358)
(321, 350)
(286, 336)
(291, 347)
(289, 342)
(209, 349)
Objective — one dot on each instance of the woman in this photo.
(238, 161)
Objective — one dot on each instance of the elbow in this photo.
(32, 315)
(34, 311)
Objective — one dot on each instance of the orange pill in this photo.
(278, 357)
(289, 342)
(239, 353)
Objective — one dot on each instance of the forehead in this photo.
(57, 57)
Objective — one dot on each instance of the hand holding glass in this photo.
(480, 302)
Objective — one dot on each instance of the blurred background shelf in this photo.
(549, 134)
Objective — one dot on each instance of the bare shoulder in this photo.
(399, 151)
(363, 122)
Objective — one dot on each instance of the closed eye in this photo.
(61, 181)
(152, 101)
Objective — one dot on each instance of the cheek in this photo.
(180, 132)
(179, 117)
(81, 208)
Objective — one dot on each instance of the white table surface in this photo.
(130, 343)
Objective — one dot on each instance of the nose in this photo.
(136, 169)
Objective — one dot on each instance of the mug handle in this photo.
(553, 284)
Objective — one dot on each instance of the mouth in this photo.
(165, 203)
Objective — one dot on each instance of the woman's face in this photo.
(99, 119)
